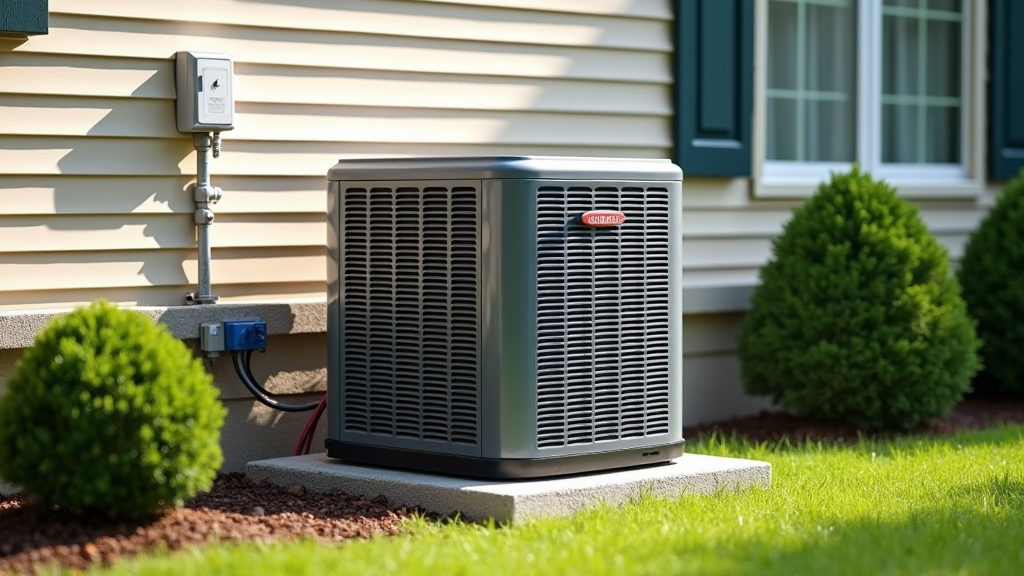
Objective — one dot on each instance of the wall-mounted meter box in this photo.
(205, 85)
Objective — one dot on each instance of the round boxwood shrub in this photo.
(108, 413)
(992, 276)
(857, 318)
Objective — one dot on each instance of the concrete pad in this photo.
(511, 501)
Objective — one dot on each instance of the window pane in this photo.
(951, 5)
(921, 80)
(944, 59)
(811, 80)
(899, 133)
(782, 45)
(781, 129)
(943, 139)
(900, 57)
(829, 131)
(830, 49)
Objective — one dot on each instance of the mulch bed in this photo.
(973, 413)
(238, 510)
(235, 510)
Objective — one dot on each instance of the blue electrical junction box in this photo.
(245, 334)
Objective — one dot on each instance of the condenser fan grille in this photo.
(410, 273)
(602, 316)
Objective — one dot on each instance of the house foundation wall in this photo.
(295, 364)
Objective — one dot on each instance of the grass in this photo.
(951, 505)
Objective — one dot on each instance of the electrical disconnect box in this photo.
(245, 334)
(205, 85)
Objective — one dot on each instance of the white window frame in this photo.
(785, 179)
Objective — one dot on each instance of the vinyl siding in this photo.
(728, 235)
(94, 177)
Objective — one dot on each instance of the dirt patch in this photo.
(239, 510)
(973, 413)
(235, 510)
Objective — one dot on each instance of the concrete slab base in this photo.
(511, 501)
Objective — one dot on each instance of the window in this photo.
(878, 82)
(921, 81)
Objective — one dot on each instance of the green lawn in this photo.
(953, 505)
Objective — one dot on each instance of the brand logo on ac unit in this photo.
(602, 218)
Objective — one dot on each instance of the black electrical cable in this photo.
(248, 370)
(256, 390)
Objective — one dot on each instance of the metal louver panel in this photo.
(410, 364)
(602, 316)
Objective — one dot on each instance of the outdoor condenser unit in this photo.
(504, 317)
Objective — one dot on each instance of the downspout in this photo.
(205, 196)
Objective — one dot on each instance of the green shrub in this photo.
(992, 275)
(857, 317)
(108, 413)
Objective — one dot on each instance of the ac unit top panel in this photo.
(504, 168)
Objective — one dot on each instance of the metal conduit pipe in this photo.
(205, 196)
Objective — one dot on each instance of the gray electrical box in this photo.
(205, 86)
(505, 316)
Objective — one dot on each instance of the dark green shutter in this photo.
(23, 17)
(714, 79)
(1006, 88)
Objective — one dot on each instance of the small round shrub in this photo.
(992, 276)
(108, 413)
(857, 318)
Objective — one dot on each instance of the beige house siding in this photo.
(728, 233)
(92, 196)
(93, 174)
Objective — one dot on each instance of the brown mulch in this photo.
(973, 413)
(238, 510)
(235, 510)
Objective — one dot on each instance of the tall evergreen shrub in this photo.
(857, 318)
(992, 275)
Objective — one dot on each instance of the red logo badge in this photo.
(603, 218)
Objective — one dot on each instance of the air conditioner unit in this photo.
(504, 317)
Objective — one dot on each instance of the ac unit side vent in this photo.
(410, 305)
(602, 316)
